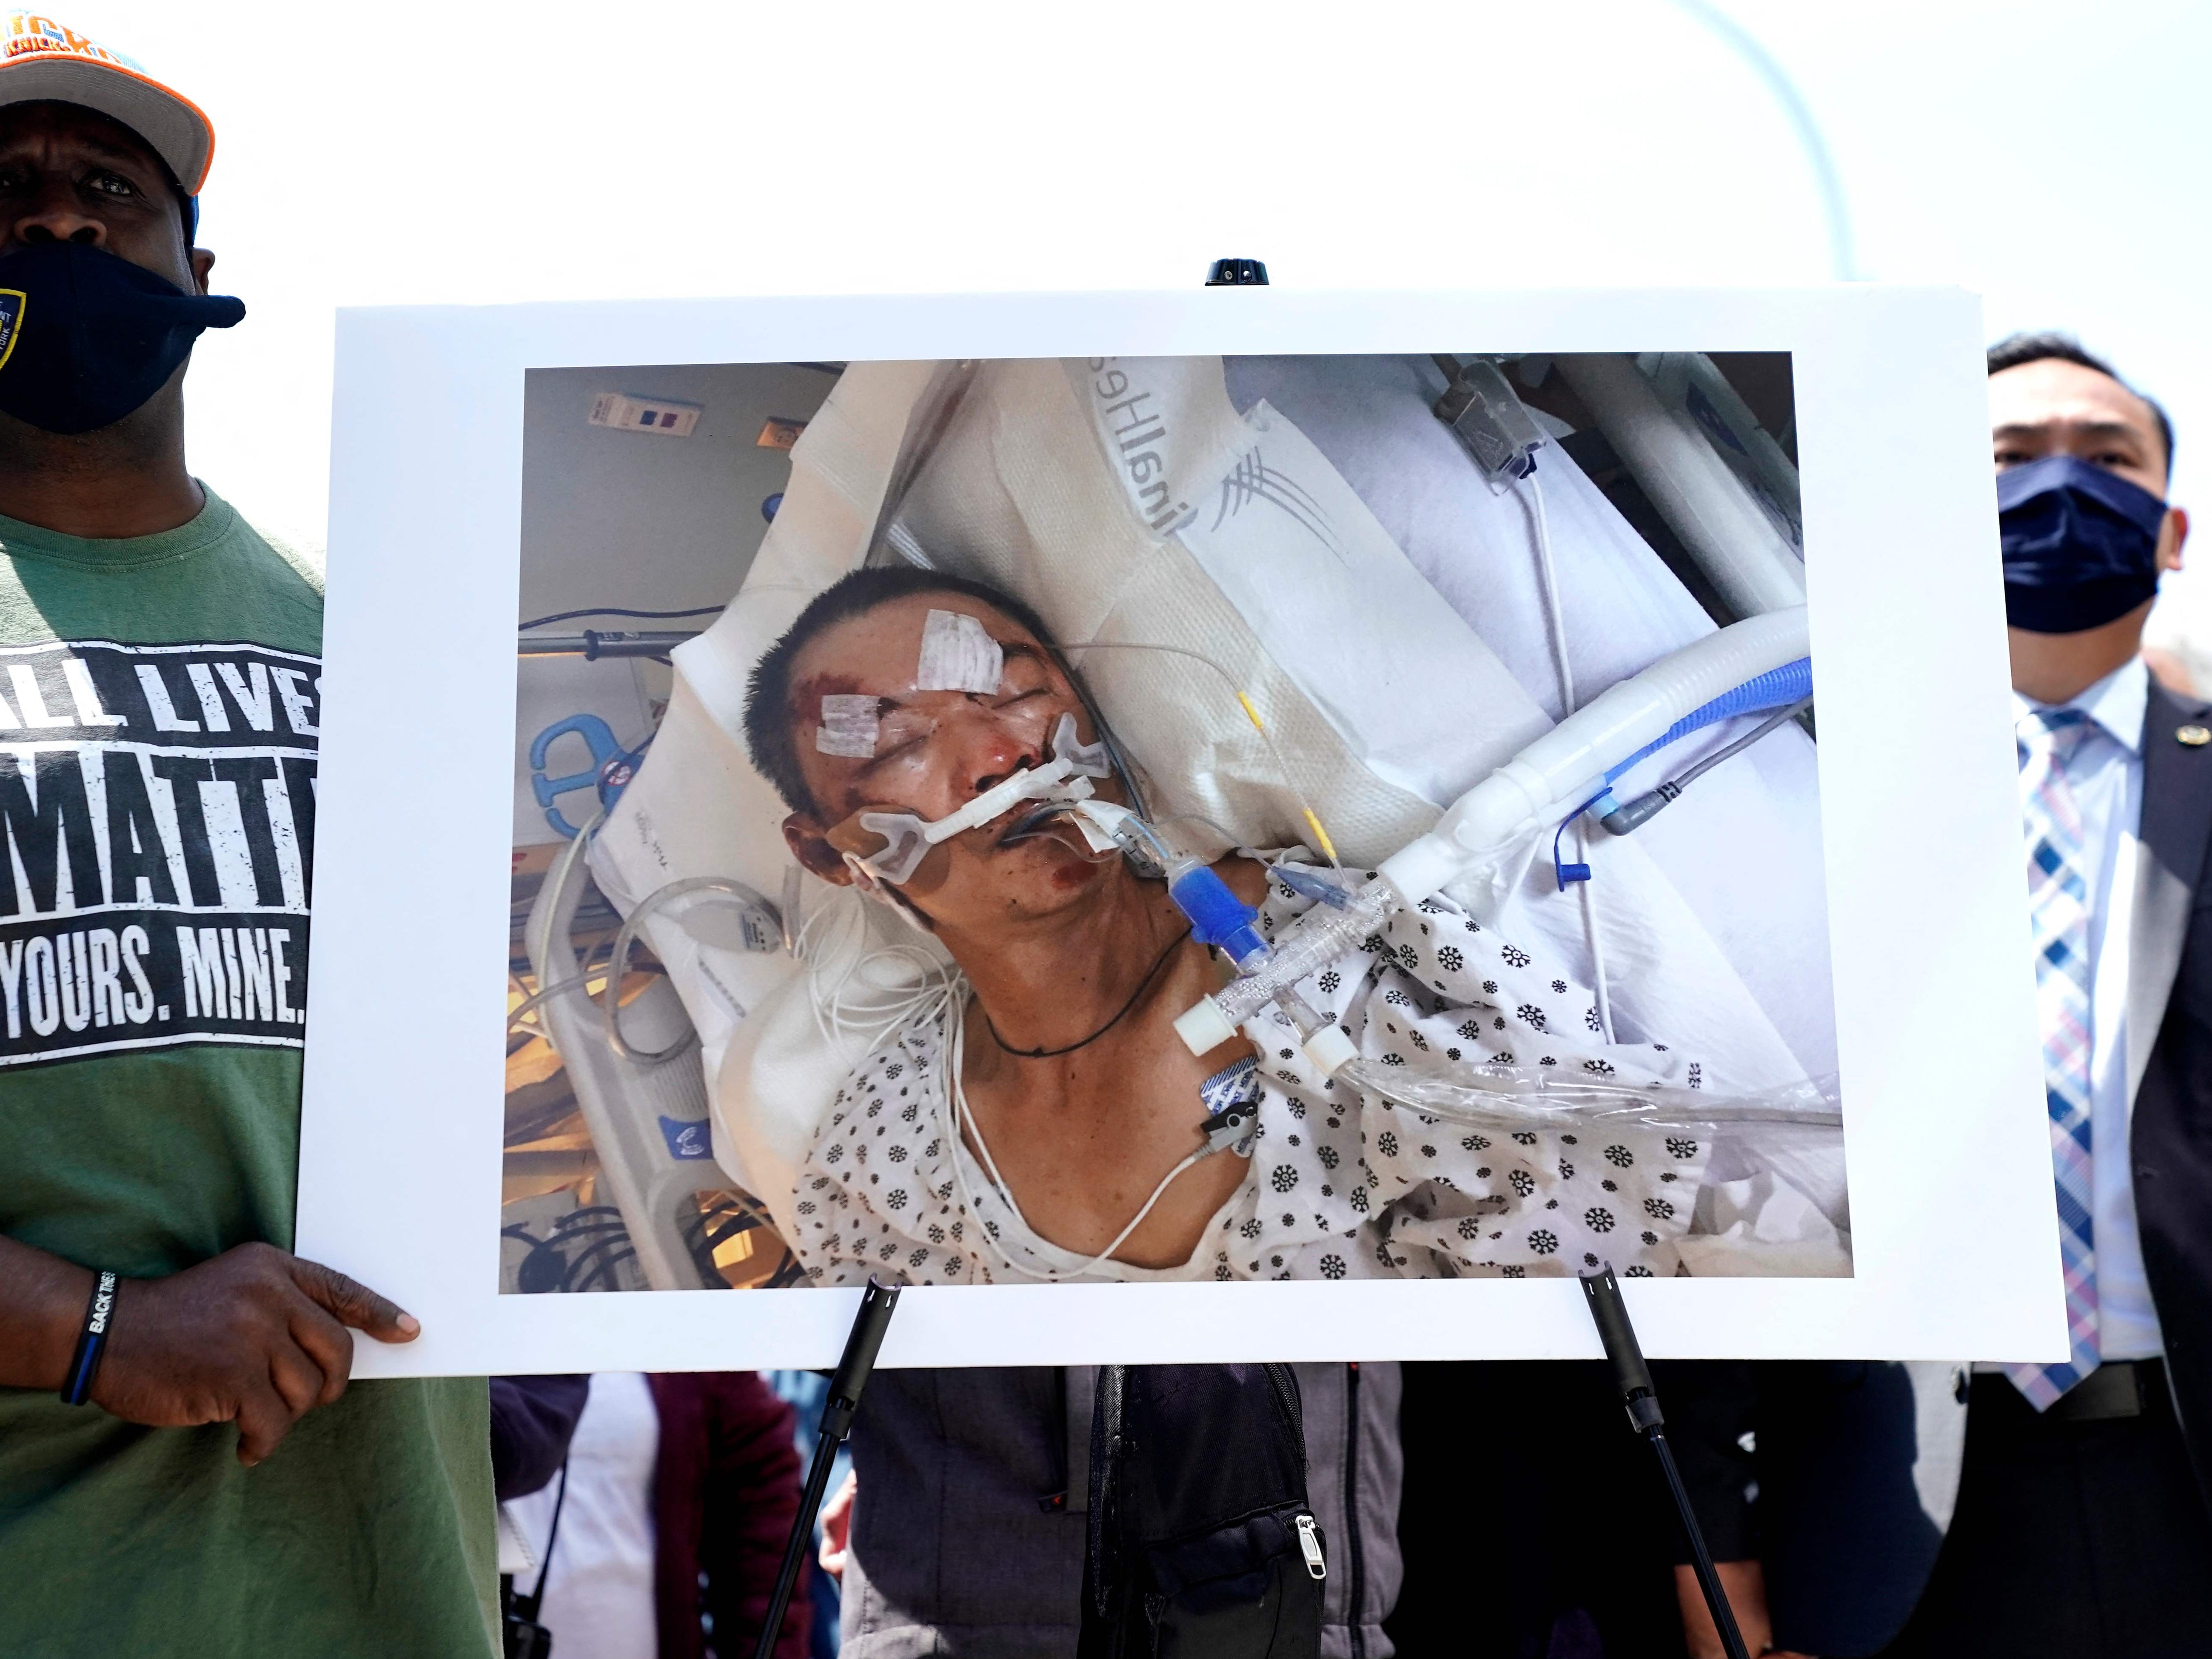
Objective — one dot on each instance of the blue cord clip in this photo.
(1567, 872)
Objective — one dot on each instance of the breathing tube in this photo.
(1560, 772)
(864, 992)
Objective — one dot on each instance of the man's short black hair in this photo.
(2016, 350)
(771, 723)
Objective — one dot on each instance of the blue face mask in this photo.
(2081, 544)
(86, 337)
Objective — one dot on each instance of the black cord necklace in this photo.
(1049, 1053)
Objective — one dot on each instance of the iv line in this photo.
(1556, 618)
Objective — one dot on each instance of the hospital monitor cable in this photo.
(1549, 574)
(1633, 814)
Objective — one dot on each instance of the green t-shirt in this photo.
(158, 703)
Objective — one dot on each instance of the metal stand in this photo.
(851, 1376)
(1610, 1314)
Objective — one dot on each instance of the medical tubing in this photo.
(1513, 1096)
(1646, 808)
(1319, 938)
(835, 1018)
(1587, 896)
(1780, 688)
(538, 943)
(619, 964)
(1275, 755)
(531, 1004)
(1569, 762)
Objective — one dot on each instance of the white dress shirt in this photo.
(598, 1589)
(2106, 775)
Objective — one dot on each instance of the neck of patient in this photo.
(1050, 981)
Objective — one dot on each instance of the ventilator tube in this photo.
(1562, 769)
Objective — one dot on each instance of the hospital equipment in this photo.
(907, 838)
(647, 1117)
(1565, 769)
(1737, 540)
(592, 644)
(611, 768)
(1486, 415)
(1624, 819)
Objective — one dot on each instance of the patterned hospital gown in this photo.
(1342, 1184)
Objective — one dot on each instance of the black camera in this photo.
(521, 1637)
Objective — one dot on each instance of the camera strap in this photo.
(527, 1606)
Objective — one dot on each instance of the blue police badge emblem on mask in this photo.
(12, 301)
(2081, 544)
(91, 337)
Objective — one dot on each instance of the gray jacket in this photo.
(967, 1533)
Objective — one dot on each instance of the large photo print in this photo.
(1030, 821)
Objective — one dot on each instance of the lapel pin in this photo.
(2195, 736)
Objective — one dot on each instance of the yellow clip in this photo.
(1327, 847)
(1251, 714)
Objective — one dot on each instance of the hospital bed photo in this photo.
(1525, 633)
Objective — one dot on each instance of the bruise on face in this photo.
(1029, 690)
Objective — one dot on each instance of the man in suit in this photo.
(2079, 1522)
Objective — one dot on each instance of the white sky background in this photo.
(2051, 156)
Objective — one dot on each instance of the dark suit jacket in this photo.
(1847, 1535)
(2170, 992)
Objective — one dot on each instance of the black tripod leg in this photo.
(837, 1412)
(1610, 1315)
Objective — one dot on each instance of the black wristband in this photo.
(92, 1342)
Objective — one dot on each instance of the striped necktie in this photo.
(2059, 898)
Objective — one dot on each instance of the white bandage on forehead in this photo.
(957, 654)
(848, 728)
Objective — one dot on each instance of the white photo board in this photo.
(1204, 497)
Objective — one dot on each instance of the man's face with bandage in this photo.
(920, 705)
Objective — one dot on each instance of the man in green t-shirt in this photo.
(220, 1491)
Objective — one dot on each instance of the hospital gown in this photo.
(1341, 1184)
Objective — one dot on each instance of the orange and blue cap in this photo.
(42, 60)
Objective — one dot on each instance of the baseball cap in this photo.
(43, 60)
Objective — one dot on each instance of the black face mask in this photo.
(2081, 544)
(86, 337)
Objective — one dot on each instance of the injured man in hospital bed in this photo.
(1044, 1122)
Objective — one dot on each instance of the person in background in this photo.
(660, 1532)
(2077, 1519)
(962, 1529)
(183, 1468)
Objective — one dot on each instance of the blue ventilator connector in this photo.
(1217, 916)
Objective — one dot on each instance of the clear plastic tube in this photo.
(1325, 935)
(1492, 815)
(1525, 1096)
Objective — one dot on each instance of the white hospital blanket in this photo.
(1742, 845)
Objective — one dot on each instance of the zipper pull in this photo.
(1310, 1546)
